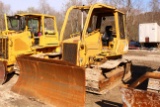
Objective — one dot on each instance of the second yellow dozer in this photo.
(25, 34)
(93, 40)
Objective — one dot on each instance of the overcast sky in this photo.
(24, 4)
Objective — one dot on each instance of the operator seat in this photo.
(107, 36)
(35, 35)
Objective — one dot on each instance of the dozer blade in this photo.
(134, 96)
(52, 81)
(3, 73)
(139, 98)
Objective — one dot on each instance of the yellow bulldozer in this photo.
(93, 40)
(25, 34)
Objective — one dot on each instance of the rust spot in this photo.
(139, 98)
(3, 72)
(53, 81)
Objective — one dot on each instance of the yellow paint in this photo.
(18, 47)
(92, 42)
(22, 41)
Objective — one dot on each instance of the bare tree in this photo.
(155, 9)
(29, 10)
(91, 1)
(3, 9)
(128, 6)
(155, 5)
(71, 3)
(44, 7)
(117, 3)
(132, 8)
(33, 10)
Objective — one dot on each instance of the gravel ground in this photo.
(11, 99)
(142, 61)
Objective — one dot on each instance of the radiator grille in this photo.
(70, 52)
(4, 48)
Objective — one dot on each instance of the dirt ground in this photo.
(142, 60)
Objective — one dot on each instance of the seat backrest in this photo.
(108, 30)
(108, 33)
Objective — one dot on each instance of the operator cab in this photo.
(16, 23)
(43, 29)
(96, 29)
(103, 21)
(109, 22)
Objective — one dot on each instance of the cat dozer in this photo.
(94, 37)
(93, 40)
(139, 95)
(25, 34)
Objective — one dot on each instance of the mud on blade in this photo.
(3, 73)
(53, 81)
